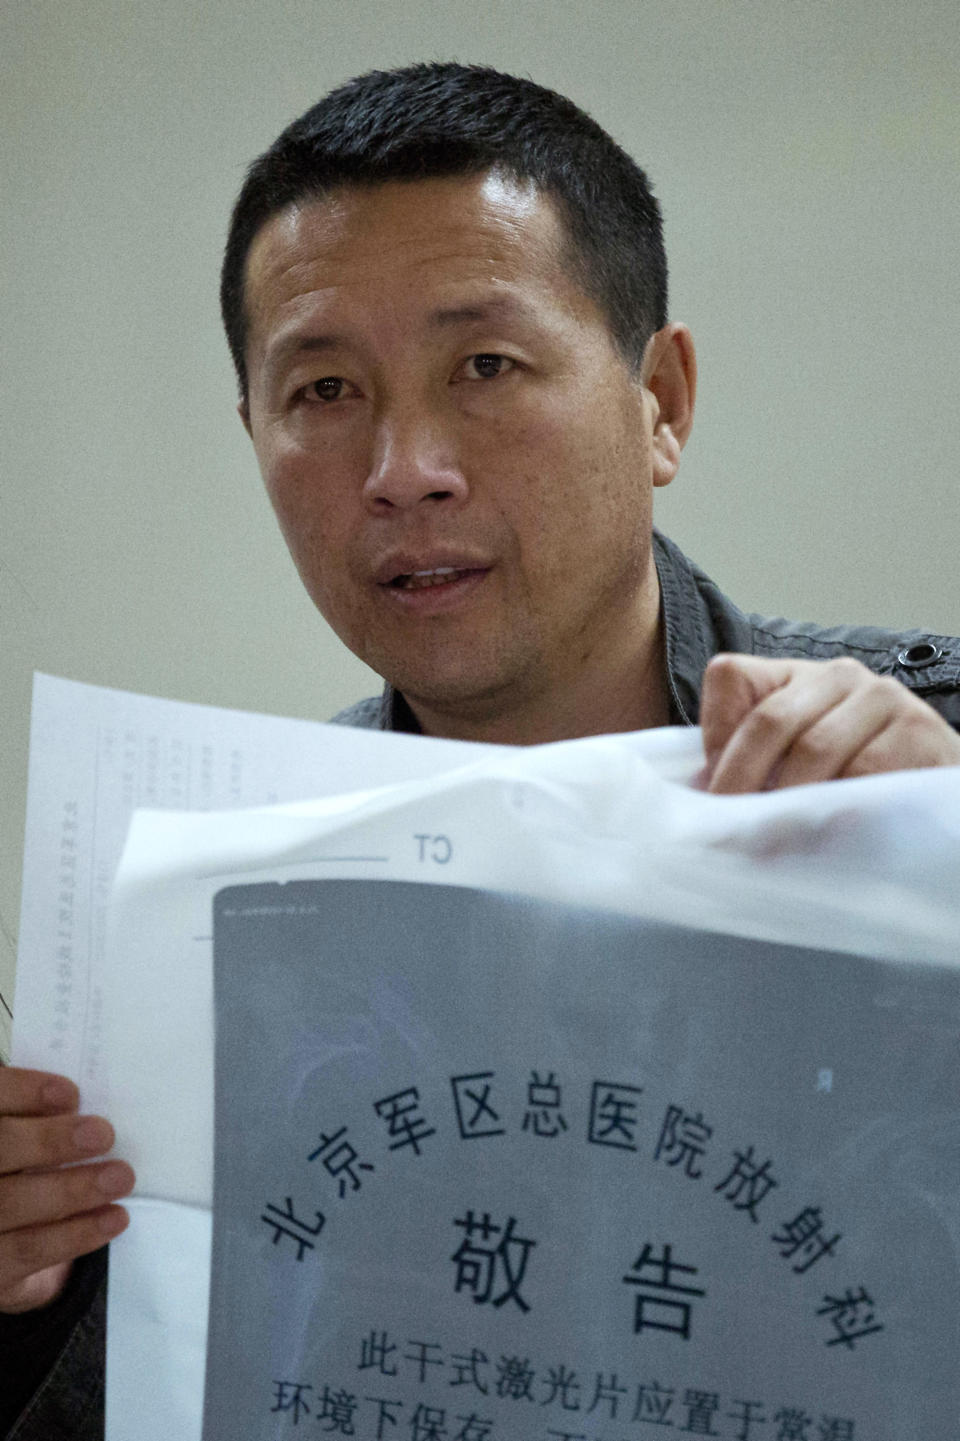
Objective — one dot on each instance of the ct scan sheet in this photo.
(487, 1167)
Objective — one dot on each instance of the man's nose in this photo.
(414, 459)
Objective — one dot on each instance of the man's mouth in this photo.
(423, 579)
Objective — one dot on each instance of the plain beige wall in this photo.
(806, 157)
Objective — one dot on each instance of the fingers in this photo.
(828, 742)
(732, 686)
(39, 1197)
(35, 1093)
(31, 1141)
(764, 733)
(51, 1208)
(772, 724)
(34, 1261)
(913, 743)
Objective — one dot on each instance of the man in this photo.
(445, 294)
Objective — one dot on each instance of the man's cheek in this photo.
(306, 517)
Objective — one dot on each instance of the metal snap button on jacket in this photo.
(917, 656)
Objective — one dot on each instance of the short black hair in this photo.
(445, 119)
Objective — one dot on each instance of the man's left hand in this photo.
(768, 724)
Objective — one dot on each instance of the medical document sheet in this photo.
(533, 1094)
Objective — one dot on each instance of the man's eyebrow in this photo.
(503, 307)
(289, 346)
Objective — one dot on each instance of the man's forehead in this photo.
(404, 226)
(494, 193)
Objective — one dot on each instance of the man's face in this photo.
(459, 459)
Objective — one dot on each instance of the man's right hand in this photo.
(51, 1210)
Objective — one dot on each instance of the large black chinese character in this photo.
(804, 1236)
(285, 1223)
(291, 1396)
(337, 1408)
(747, 1183)
(657, 1307)
(748, 1413)
(562, 1385)
(852, 1317)
(481, 1263)
(609, 1391)
(467, 1368)
(340, 1160)
(476, 1117)
(613, 1117)
(515, 1378)
(543, 1115)
(654, 1403)
(428, 1423)
(375, 1351)
(682, 1139)
(386, 1415)
(422, 1359)
(701, 1406)
(403, 1123)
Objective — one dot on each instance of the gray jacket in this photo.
(67, 1403)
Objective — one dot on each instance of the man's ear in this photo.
(670, 375)
(243, 410)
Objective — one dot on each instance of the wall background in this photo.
(806, 158)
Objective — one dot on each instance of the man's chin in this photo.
(458, 698)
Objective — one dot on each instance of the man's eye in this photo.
(487, 367)
(327, 389)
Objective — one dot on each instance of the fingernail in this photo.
(114, 1179)
(92, 1136)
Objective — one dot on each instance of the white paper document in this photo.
(95, 755)
(531, 1095)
